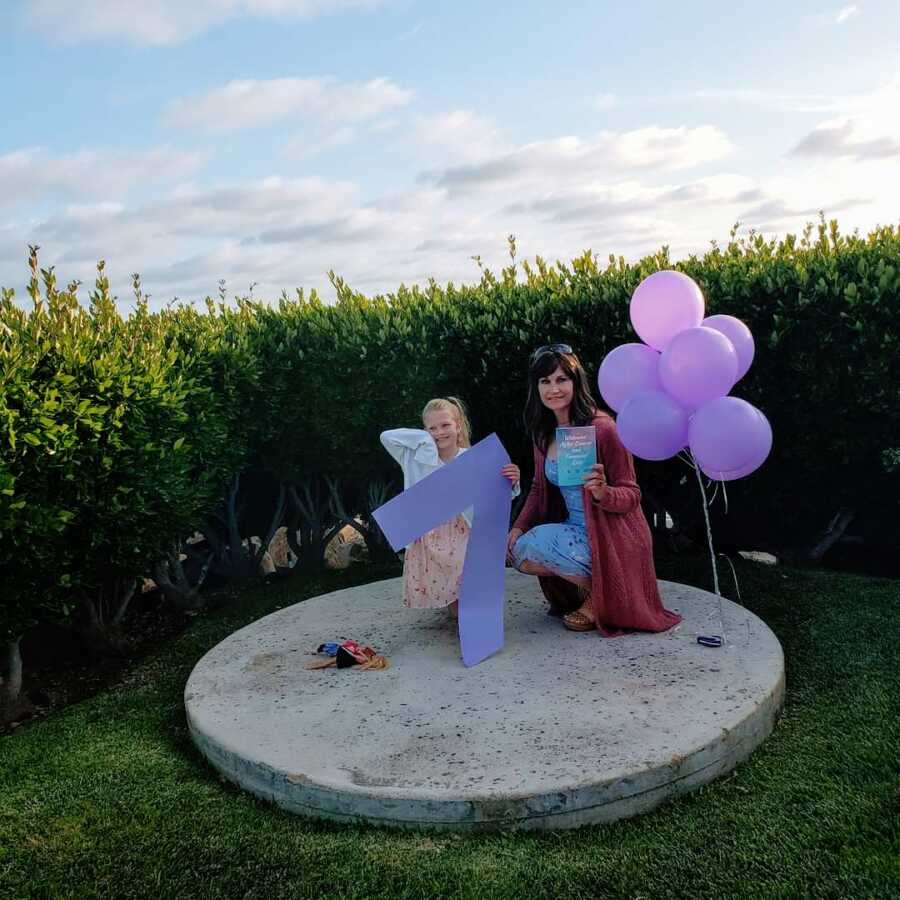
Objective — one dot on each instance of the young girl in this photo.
(432, 566)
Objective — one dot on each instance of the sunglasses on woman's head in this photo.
(550, 348)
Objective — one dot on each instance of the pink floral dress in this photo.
(432, 567)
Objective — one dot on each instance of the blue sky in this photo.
(268, 141)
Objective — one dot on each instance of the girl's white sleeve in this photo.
(415, 451)
(404, 442)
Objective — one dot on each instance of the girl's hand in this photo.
(514, 535)
(511, 471)
(595, 482)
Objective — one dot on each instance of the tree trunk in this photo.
(308, 547)
(377, 546)
(839, 523)
(274, 525)
(172, 580)
(232, 559)
(314, 519)
(293, 541)
(102, 640)
(235, 544)
(125, 592)
(11, 686)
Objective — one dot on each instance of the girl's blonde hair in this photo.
(455, 407)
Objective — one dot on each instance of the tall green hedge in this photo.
(120, 434)
(112, 445)
(824, 310)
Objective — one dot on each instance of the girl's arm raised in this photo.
(403, 443)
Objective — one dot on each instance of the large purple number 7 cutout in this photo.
(472, 479)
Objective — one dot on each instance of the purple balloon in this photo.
(729, 438)
(762, 453)
(627, 369)
(664, 304)
(652, 425)
(743, 472)
(697, 366)
(723, 433)
(739, 335)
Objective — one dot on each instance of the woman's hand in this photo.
(511, 471)
(595, 482)
(514, 535)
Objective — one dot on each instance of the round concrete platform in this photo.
(555, 731)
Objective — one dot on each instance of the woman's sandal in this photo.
(578, 621)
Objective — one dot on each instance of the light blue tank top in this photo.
(572, 495)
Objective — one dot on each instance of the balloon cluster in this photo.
(671, 391)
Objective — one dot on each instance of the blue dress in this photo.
(560, 546)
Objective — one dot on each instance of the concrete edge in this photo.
(603, 802)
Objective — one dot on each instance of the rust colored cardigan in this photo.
(624, 592)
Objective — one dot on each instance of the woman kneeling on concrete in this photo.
(590, 546)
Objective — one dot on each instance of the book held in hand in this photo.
(576, 452)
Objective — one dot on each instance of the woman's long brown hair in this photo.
(540, 421)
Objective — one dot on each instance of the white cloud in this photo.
(784, 102)
(288, 232)
(618, 192)
(775, 210)
(249, 103)
(93, 212)
(243, 210)
(462, 134)
(670, 148)
(162, 22)
(835, 17)
(843, 140)
(283, 233)
(862, 126)
(587, 203)
(306, 146)
(605, 102)
(845, 13)
(13, 251)
(410, 33)
(572, 158)
(878, 103)
(869, 131)
(33, 174)
(183, 243)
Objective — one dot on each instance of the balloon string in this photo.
(737, 587)
(712, 552)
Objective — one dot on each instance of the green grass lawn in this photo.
(109, 799)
